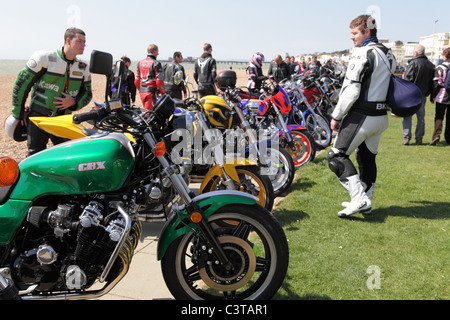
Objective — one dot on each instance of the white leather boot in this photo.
(360, 202)
(368, 192)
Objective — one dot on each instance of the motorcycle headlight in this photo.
(288, 84)
(253, 106)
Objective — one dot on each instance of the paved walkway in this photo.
(144, 280)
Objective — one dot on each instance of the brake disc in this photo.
(243, 260)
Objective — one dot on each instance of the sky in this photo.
(235, 28)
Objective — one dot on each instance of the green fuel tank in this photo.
(95, 164)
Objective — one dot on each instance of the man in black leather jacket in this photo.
(420, 71)
(278, 69)
(175, 90)
(205, 72)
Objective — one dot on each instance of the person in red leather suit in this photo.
(150, 78)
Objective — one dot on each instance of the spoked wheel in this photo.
(254, 243)
(251, 181)
(305, 149)
(280, 169)
(319, 129)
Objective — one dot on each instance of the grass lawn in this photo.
(401, 251)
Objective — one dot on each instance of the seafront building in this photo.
(434, 45)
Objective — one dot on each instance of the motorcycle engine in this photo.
(66, 248)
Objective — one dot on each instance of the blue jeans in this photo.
(420, 127)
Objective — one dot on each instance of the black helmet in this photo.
(226, 79)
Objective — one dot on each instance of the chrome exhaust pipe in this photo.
(125, 255)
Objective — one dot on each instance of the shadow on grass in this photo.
(286, 293)
(301, 183)
(287, 217)
(418, 209)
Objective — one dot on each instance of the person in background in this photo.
(127, 93)
(175, 90)
(295, 67)
(441, 96)
(314, 65)
(278, 69)
(420, 71)
(205, 72)
(255, 74)
(150, 78)
(361, 116)
(302, 64)
(287, 59)
(329, 67)
(59, 84)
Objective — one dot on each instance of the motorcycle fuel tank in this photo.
(98, 163)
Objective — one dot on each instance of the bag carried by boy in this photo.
(403, 97)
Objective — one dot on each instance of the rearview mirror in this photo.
(178, 77)
(119, 70)
(101, 63)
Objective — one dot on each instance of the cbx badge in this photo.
(92, 166)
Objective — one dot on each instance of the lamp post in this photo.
(434, 41)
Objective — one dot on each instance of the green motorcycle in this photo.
(69, 218)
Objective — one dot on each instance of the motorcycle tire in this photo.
(254, 242)
(320, 130)
(306, 148)
(283, 175)
(252, 182)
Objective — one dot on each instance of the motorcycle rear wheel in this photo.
(254, 242)
(252, 182)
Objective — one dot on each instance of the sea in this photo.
(14, 66)
(11, 66)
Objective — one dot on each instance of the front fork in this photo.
(287, 133)
(252, 139)
(191, 207)
(218, 152)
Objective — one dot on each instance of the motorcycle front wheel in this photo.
(281, 170)
(305, 148)
(250, 181)
(319, 128)
(253, 241)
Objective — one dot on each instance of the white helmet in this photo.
(15, 129)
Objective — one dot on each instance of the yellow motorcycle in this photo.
(224, 172)
(232, 174)
(230, 171)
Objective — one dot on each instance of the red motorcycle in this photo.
(271, 112)
(321, 91)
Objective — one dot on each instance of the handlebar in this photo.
(233, 96)
(95, 114)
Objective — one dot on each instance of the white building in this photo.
(409, 49)
(398, 50)
(434, 45)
